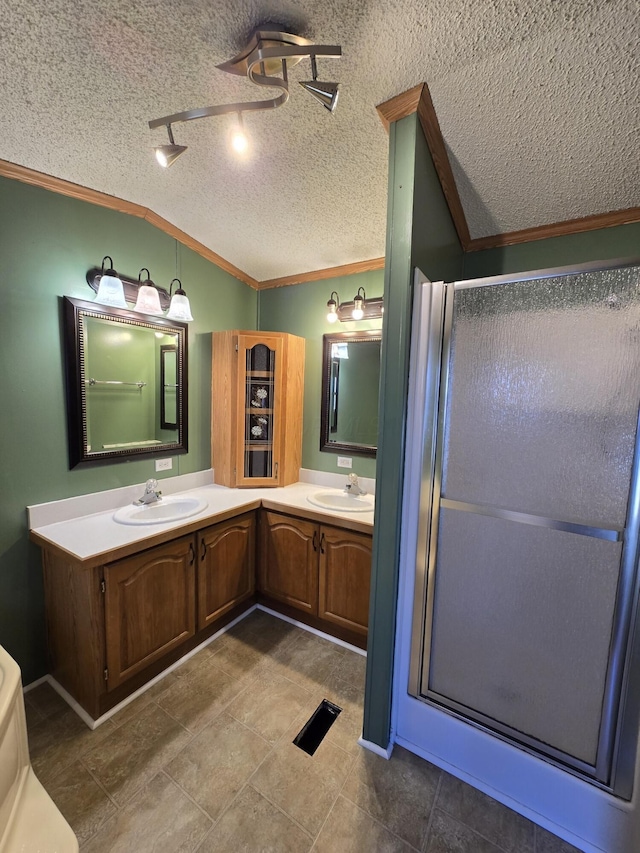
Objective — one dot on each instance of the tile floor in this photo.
(204, 761)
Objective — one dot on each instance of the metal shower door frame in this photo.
(614, 767)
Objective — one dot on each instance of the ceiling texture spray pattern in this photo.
(537, 102)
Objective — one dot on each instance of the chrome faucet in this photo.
(151, 493)
(353, 487)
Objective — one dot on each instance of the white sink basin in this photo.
(342, 501)
(171, 508)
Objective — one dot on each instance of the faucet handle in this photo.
(151, 486)
(353, 479)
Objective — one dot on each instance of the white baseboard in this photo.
(373, 747)
(311, 630)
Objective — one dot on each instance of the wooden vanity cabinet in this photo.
(321, 570)
(288, 566)
(149, 602)
(344, 578)
(112, 627)
(226, 567)
(256, 408)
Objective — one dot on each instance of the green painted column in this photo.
(419, 232)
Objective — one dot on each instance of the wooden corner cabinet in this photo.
(256, 408)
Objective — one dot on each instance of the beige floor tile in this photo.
(198, 698)
(58, 741)
(399, 792)
(303, 786)
(263, 632)
(33, 715)
(253, 825)
(349, 829)
(135, 752)
(448, 835)
(217, 763)
(345, 694)
(352, 668)
(81, 800)
(485, 815)
(237, 658)
(159, 819)
(308, 660)
(346, 731)
(45, 700)
(546, 842)
(270, 705)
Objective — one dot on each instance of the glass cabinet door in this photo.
(260, 362)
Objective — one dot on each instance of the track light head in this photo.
(167, 155)
(326, 93)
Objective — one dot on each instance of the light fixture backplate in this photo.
(266, 38)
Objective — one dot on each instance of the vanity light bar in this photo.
(131, 287)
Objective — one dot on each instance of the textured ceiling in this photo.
(537, 101)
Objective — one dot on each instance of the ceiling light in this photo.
(326, 93)
(332, 305)
(179, 308)
(358, 304)
(166, 155)
(148, 301)
(267, 54)
(239, 141)
(110, 289)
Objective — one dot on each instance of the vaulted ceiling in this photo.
(537, 102)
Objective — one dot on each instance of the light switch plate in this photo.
(345, 462)
(164, 464)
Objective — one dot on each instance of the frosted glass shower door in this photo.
(533, 536)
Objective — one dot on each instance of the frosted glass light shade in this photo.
(180, 309)
(111, 292)
(148, 301)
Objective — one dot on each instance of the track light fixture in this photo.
(166, 155)
(268, 53)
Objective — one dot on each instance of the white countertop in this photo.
(90, 536)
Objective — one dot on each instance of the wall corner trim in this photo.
(373, 747)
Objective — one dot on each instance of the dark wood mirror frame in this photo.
(328, 417)
(74, 311)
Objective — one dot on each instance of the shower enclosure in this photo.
(526, 583)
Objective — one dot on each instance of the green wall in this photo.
(419, 233)
(603, 244)
(302, 310)
(48, 242)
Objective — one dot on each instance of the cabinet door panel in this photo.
(149, 607)
(289, 563)
(226, 567)
(344, 579)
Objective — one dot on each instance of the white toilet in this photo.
(29, 819)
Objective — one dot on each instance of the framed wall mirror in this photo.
(126, 383)
(350, 389)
